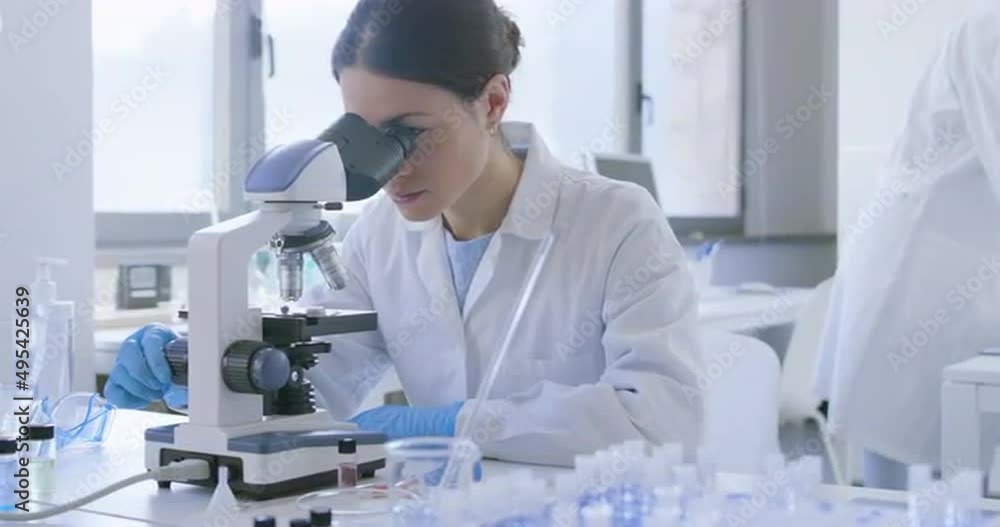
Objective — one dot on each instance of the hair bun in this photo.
(515, 41)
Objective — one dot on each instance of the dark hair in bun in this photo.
(454, 44)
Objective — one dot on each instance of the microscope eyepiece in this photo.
(371, 156)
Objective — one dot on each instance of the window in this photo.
(152, 142)
(301, 96)
(570, 82)
(577, 82)
(692, 76)
(567, 66)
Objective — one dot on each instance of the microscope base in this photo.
(265, 466)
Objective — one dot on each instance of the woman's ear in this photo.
(494, 100)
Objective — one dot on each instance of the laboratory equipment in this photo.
(920, 511)
(321, 517)
(348, 468)
(627, 167)
(415, 468)
(52, 330)
(703, 266)
(452, 470)
(142, 286)
(264, 521)
(82, 419)
(41, 456)
(251, 407)
(8, 467)
(602, 491)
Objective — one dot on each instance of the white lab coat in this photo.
(918, 287)
(606, 349)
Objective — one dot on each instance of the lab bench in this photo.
(146, 504)
(970, 416)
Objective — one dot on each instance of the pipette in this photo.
(452, 468)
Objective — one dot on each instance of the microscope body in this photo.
(251, 408)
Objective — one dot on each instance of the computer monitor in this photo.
(628, 167)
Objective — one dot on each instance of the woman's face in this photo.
(451, 152)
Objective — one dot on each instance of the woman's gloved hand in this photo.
(141, 374)
(400, 422)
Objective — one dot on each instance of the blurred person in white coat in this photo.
(606, 350)
(919, 285)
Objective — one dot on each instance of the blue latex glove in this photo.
(400, 422)
(141, 374)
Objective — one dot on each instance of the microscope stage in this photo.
(272, 464)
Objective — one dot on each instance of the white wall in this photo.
(45, 108)
(885, 45)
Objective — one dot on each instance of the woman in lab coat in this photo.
(606, 349)
(918, 288)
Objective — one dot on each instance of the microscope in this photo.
(251, 408)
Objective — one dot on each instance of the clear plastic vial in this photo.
(918, 506)
(42, 459)
(961, 507)
(347, 472)
(8, 467)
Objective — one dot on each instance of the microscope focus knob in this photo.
(255, 367)
(177, 359)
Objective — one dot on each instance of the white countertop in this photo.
(981, 369)
(122, 456)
